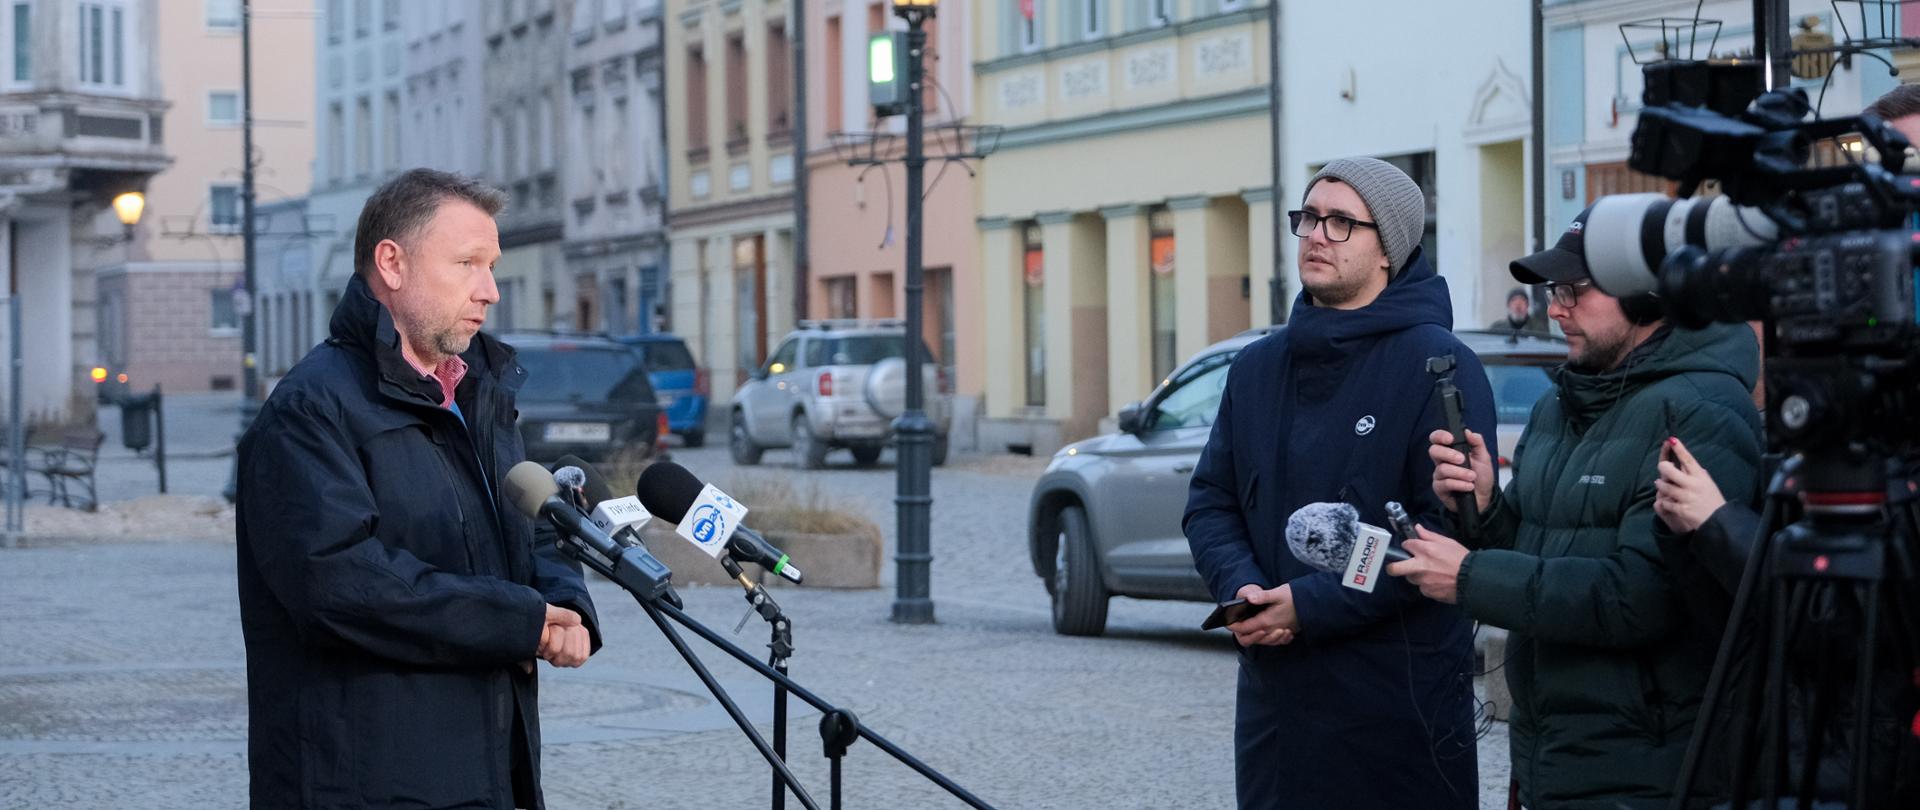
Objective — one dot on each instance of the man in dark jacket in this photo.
(1606, 671)
(1346, 699)
(392, 601)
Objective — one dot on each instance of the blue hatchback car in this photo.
(680, 385)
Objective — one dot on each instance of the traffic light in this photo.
(887, 73)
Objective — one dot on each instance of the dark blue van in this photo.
(679, 383)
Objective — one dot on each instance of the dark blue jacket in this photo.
(1371, 706)
(388, 593)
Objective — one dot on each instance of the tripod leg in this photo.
(779, 731)
(1863, 696)
(1773, 753)
(1723, 662)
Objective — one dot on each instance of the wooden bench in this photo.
(70, 462)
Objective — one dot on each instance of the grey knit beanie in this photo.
(1393, 201)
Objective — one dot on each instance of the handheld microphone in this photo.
(532, 489)
(1330, 537)
(621, 518)
(670, 491)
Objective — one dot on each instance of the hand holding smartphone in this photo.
(1234, 612)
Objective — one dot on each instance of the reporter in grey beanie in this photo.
(1345, 698)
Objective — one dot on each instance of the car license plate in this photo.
(578, 432)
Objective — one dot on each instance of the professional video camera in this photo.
(1825, 254)
(1827, 614)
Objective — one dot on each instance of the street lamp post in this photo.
(913, 601)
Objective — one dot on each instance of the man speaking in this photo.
(1347, 699)
(393, 605)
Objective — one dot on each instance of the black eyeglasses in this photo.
(1339, 227)
(1567, 295)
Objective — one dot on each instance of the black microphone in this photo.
(1330, 537)
(668, 490)
(596, 496)
(532, 489)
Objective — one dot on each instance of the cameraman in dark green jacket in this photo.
(1606, 674)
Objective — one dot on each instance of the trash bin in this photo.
(136, 420)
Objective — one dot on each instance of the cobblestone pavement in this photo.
(122, 684)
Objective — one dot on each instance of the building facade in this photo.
(171, 313)
(81, 120)
(615, 180)
(1593, 84)
(1124, 223)
(360, 65)
(524, 76)
(730, 179)
(1461, 126)
(857, 226)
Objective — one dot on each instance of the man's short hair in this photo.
(401, 209)
(1899, 102)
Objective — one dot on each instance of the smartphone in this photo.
(1234, 612)
(1666, 446)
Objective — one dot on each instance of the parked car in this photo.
(680, 385)
(1104, 519)
(834, 384)
(584, 395)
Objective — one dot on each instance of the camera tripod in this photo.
(1827, 607)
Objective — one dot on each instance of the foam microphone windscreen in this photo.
(594, 486)
(667, 490)
(1322, 534)
(529, 485)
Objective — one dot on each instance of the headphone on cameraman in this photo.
(1642, 308)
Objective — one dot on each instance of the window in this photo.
(736, 89)
(1159, 12)
(223, 108)
(224, 318)
(223, 209)
(836, 69)
(363, 137)
(362, 18)
(696, 103)
(587, 178)
(102, 45)
(22, 42)
(497, 146)
(1232, 5)
(392, 21)
(390, 149)
(1032, 31)
(543, 125)
(336, 142)
(779, 89)
(583, 16)
(1161, 292)
(1034, 305)
(842, 297)
(1193, 400)
(523, 137)
(223, 15)
(336, 19)
(786, 358)
(1090, 18)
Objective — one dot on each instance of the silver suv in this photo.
(834, 384)
(1104, 520)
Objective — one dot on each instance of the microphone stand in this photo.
(578, 551)
(839, 728)
(780, 649)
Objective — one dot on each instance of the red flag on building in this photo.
(1026, 9)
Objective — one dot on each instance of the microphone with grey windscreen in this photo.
(1325, 535)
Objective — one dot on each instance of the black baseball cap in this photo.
(1564, 263)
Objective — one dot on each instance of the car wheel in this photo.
(807, 448)
(694, 438)
(745, 452)
(1079, 595)
(939, 450)
(866, 454)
